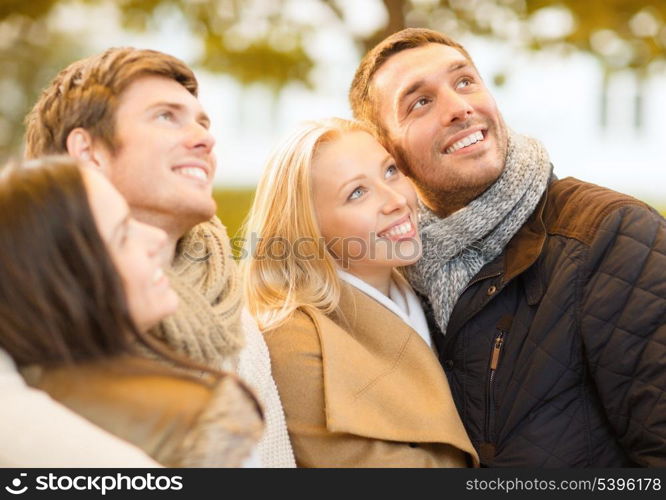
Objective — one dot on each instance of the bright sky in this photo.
(554, 99)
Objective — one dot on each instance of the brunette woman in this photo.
(80, 283)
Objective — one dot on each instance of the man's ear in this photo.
(82, 146)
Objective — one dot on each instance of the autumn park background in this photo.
(587, 77)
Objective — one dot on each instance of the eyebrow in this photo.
(454, 66)
(353, 179)
(202, 117)
(387, 159)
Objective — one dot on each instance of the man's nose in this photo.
(200, 137)
(455, 107)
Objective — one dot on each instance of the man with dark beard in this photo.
(548, 296)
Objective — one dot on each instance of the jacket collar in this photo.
(520, 254)
(522, 250)
(381, 380)
(526, 245)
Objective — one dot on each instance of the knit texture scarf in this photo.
(207, 326)
(455, 248)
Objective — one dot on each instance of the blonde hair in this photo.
(283, 212)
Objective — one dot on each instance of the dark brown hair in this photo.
(61, 299)
(86, 95)
(361, 97)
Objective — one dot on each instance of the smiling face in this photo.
(164, 164)
(136, 251)
(365, 208)
(442, 123)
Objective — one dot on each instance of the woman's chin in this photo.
(407, 252)
(149, 317)
(170, 303)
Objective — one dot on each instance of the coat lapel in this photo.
(381, 380)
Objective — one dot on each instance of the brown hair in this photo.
(361, 97)
(61, 297)
(86, 93)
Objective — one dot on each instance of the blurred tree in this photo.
(267, 41)
(30, 55)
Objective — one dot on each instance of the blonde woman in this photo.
(333, 219)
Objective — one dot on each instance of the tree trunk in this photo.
(396, 22)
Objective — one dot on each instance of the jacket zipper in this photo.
(494, 362)
(449, 335)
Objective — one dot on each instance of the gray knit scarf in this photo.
(456, 247)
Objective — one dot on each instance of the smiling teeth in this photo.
(194, 172)
(462, 143)
(403, 228)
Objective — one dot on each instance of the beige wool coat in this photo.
(178, 419)
(362, 389)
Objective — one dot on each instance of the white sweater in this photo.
(36, 431)
(274, 449)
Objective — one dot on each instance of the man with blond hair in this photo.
(134, 115)
(547, 296)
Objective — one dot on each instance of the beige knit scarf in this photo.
(206, 327)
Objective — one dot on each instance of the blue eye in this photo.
(356, 193)
(391, 170)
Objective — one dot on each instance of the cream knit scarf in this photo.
(455, 248)
(206, 327)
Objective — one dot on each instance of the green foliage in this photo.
(258, 62)
(260, 41)
(31, 54)
(621, 33)
(271, 52)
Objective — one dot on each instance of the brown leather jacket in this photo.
(556, 350)
(177, 419)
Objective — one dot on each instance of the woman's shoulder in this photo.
(303, 321)
(133, 398)
(126, 390)
(295, 338)
(122, 377)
